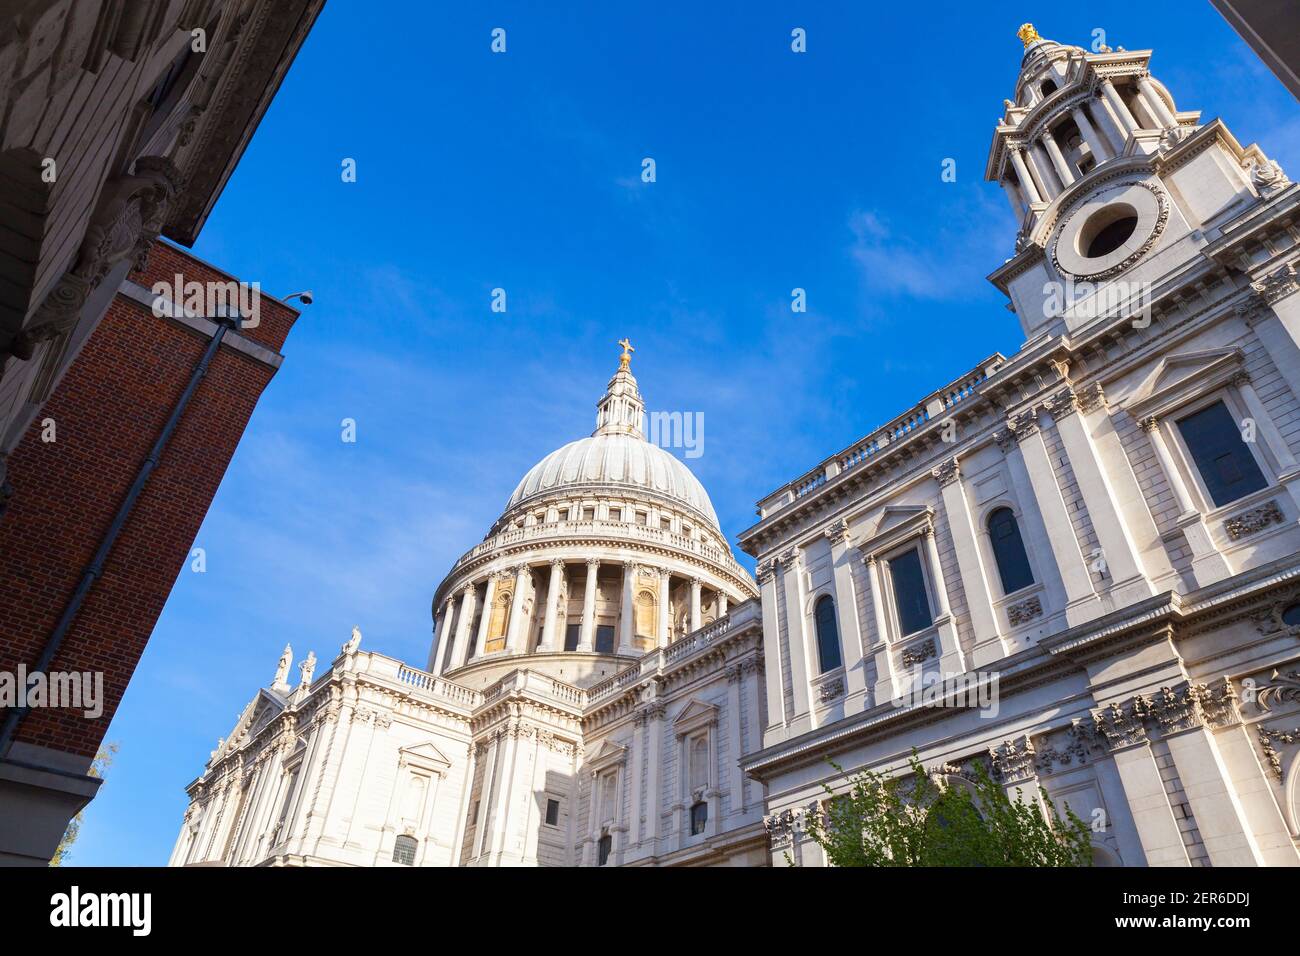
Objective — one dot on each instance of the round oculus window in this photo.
(1109, 232)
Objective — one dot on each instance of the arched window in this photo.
(404, 848)
(603, 849)
(1009, 551)
(828, 635)
(1048, 88)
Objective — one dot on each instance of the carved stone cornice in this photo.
(1276, 286)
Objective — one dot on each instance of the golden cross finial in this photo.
(625, 360)
(1027, 33)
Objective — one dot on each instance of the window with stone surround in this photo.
(1009, 551)
(1224, 462)
(828, 636)
(911, 595)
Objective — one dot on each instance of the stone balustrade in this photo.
(878, 442)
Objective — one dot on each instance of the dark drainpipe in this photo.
(96, 566)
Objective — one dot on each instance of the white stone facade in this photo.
(1147, 651)
(1068, 527)
(595, 714)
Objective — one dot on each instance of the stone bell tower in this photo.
(1119, 192)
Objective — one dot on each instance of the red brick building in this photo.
(104, 418)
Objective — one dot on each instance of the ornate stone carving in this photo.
(1090, 398)
(1118, 727)
(830, 690)
(1149, 424)
(1267, 177)
(838, 532)
(947, 472)
(1023, 424)
(918, 653)
(1280, 688)
(765, 571)
(1024, 611)
(130, 214)
(1278, 285)
(788, 558)
(1157, 230)
(1256, 519)
(1013, 760)
(1062, 405)
(1266, 737)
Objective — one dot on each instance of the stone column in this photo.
(654, 713)
(1027, 183)
(517, 627)
(1274, 313)
(1101, 149)
(664, 617)
(637, 760)
(696, 621)
(1041, 167)
(485, 619)
(1155, 102)
(626, 619)
(550, 640)
(587, 633)
(1273, 440)
(777, 718)
(1128, 581)
(438, 652)
(989, 644)
(733, 779)
(1219, 814)
(1057, 157)
(722, 603)
(1118, 106)
(1123, 734)
(846, 612)
(887, 686)
(1208, 564)
(469, 595)
(1031, 469)
(796, 632)
(951, 658)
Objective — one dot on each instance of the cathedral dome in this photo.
(621, 460)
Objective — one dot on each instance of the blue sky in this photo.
(522, 171)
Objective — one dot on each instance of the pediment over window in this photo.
(606, 755)
(425, 756)
(896, 524)
(695, 715)
(1177, 379)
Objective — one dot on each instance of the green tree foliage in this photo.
(916, 820)
(97, 767)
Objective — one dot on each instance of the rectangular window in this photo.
(666, 524)
(552, 813)
(1225, 464)
(642, 518)
(588, 514)
(473, 814)
(571, 637)
(699, 818)
(604, 638)
(615, 514)
(909, 592)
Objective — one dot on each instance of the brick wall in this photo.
(108, 411)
